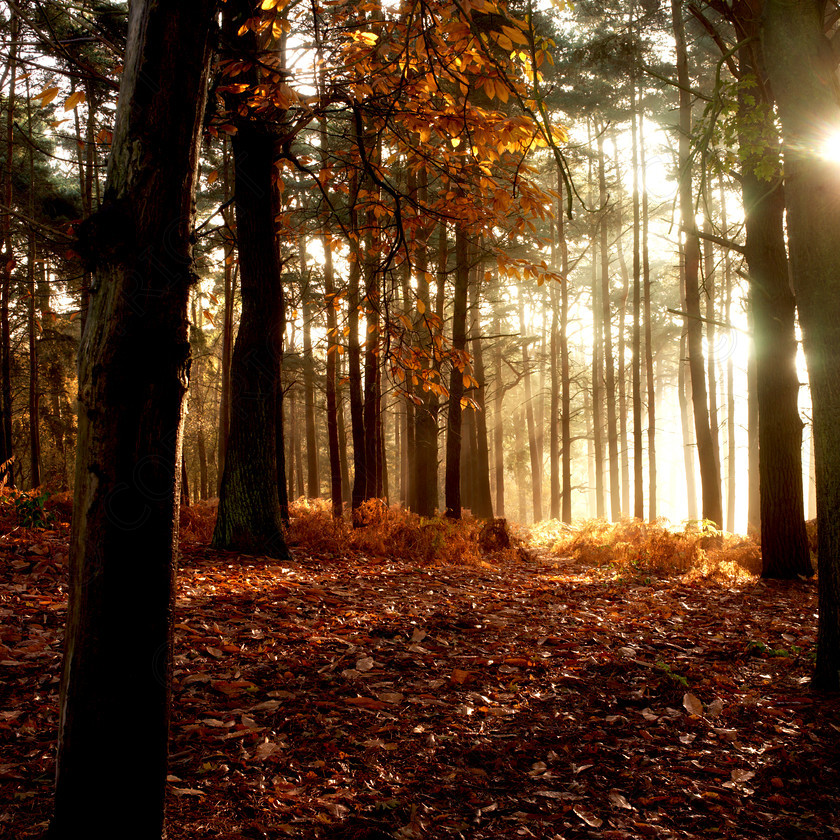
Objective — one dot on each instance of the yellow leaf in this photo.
(467, 380)
(502, 91)
(268, 4)
(47, 95)
(213, 177)
(455, 141)
(421, 307)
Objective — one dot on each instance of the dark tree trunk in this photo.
(354, 361)
(426, 414)
(784, 543)
(802, 69)
(227, 326)
(132, 380)
(8, 261)
(249, 518)
(452, 489)
(482, 503)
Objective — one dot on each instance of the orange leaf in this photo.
(73, 100)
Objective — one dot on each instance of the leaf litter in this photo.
(349, 695)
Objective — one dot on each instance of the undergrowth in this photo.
(384, 532)
(628, 547)
(697, 550)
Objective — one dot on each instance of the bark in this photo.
(132, 381)
(565, 380)
(709, 471)
(452, 486)
(333, 347)
(802, 65)
(249, 517)
(730, 376)
(784, 542)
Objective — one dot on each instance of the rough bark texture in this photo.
(132, 379)
(801, 65)
(784, 543)
(249, 518)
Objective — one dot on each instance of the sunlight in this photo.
(830, 149)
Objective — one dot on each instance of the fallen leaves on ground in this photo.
(356, 697)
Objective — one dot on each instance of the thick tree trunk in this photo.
(452, 487)
(801, 64)
(132, 380)
(249, 517)
(784, 543)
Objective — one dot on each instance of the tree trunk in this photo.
(354, 360)
(688, 442)
(606, 322)
(482, 506)
(426, 414)
(536, 464)
(638, 452)
(709, 472)
(313, 484)
(784, 542)
(649, 370)
(8, 263)
(333, 347)
(227, 326)
(498, 421)
(132, 380)
(452, 487)
(249, 518)
(802, 65)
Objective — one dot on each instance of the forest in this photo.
(418, 419)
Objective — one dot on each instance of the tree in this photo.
(250, 517)
(132, 379)
(802, 68)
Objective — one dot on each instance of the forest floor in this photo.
(528, 694)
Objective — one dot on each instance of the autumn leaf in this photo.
(692, 704)
(47, 95)
(73, 100)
